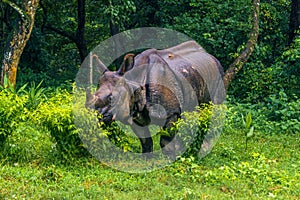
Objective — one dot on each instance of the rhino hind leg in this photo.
(147, 146)
(167, 146)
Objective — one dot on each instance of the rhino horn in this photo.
(89, 96)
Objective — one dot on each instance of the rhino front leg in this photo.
(145, 138)
(169, 144)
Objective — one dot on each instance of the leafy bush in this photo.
(278, 115)
(271, 93)
(199, 130)
(290, 62)
(27, 143)
(120, 136)
(98, 137)
(258, 80)
(284, 113)
(56, 115)
(35, 94)
(12, 109)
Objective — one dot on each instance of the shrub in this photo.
(27, 143)
(200, 129)
(56, 115)
(35, 95)
(258, 80)
(12, 113)
(284, 113)
(98, 137)
(279, 114)
(119, 135)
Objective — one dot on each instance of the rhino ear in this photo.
(100, 66)
(127, 64)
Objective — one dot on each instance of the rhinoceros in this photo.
(155, 87)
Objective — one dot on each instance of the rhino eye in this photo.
(109, 99)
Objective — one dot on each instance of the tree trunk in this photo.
(238, 63)
(17, 42)
(114, 30)
(294, 20)
(80, 41)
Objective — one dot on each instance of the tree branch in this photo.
(24, 16)
(78, 37)
(238, 63)
(63, 33)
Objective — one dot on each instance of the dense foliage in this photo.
(222, 28)
(39, 143)
(258, 155)
(53, 115)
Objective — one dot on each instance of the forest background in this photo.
(37, 127)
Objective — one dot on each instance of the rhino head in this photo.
(114, 98)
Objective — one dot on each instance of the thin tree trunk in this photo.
(238, 63)
(114, 30)
(80, 41)
(294, 20)
(18, 41)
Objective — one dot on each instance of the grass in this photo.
(269, 168)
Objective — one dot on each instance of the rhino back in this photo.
(200, 69)
(177, 79)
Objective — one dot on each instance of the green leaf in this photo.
(251, 132)
(248, 120)
(243, 120)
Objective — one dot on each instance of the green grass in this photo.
(269, 168)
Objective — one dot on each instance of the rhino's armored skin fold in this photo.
(155, 87)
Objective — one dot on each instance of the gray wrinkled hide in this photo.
(193, 75)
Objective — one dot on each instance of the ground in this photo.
(268, 168)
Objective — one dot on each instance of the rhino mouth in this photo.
(107, 118)
(106, 115)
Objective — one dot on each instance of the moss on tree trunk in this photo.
(238, 63)
(18, 39)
